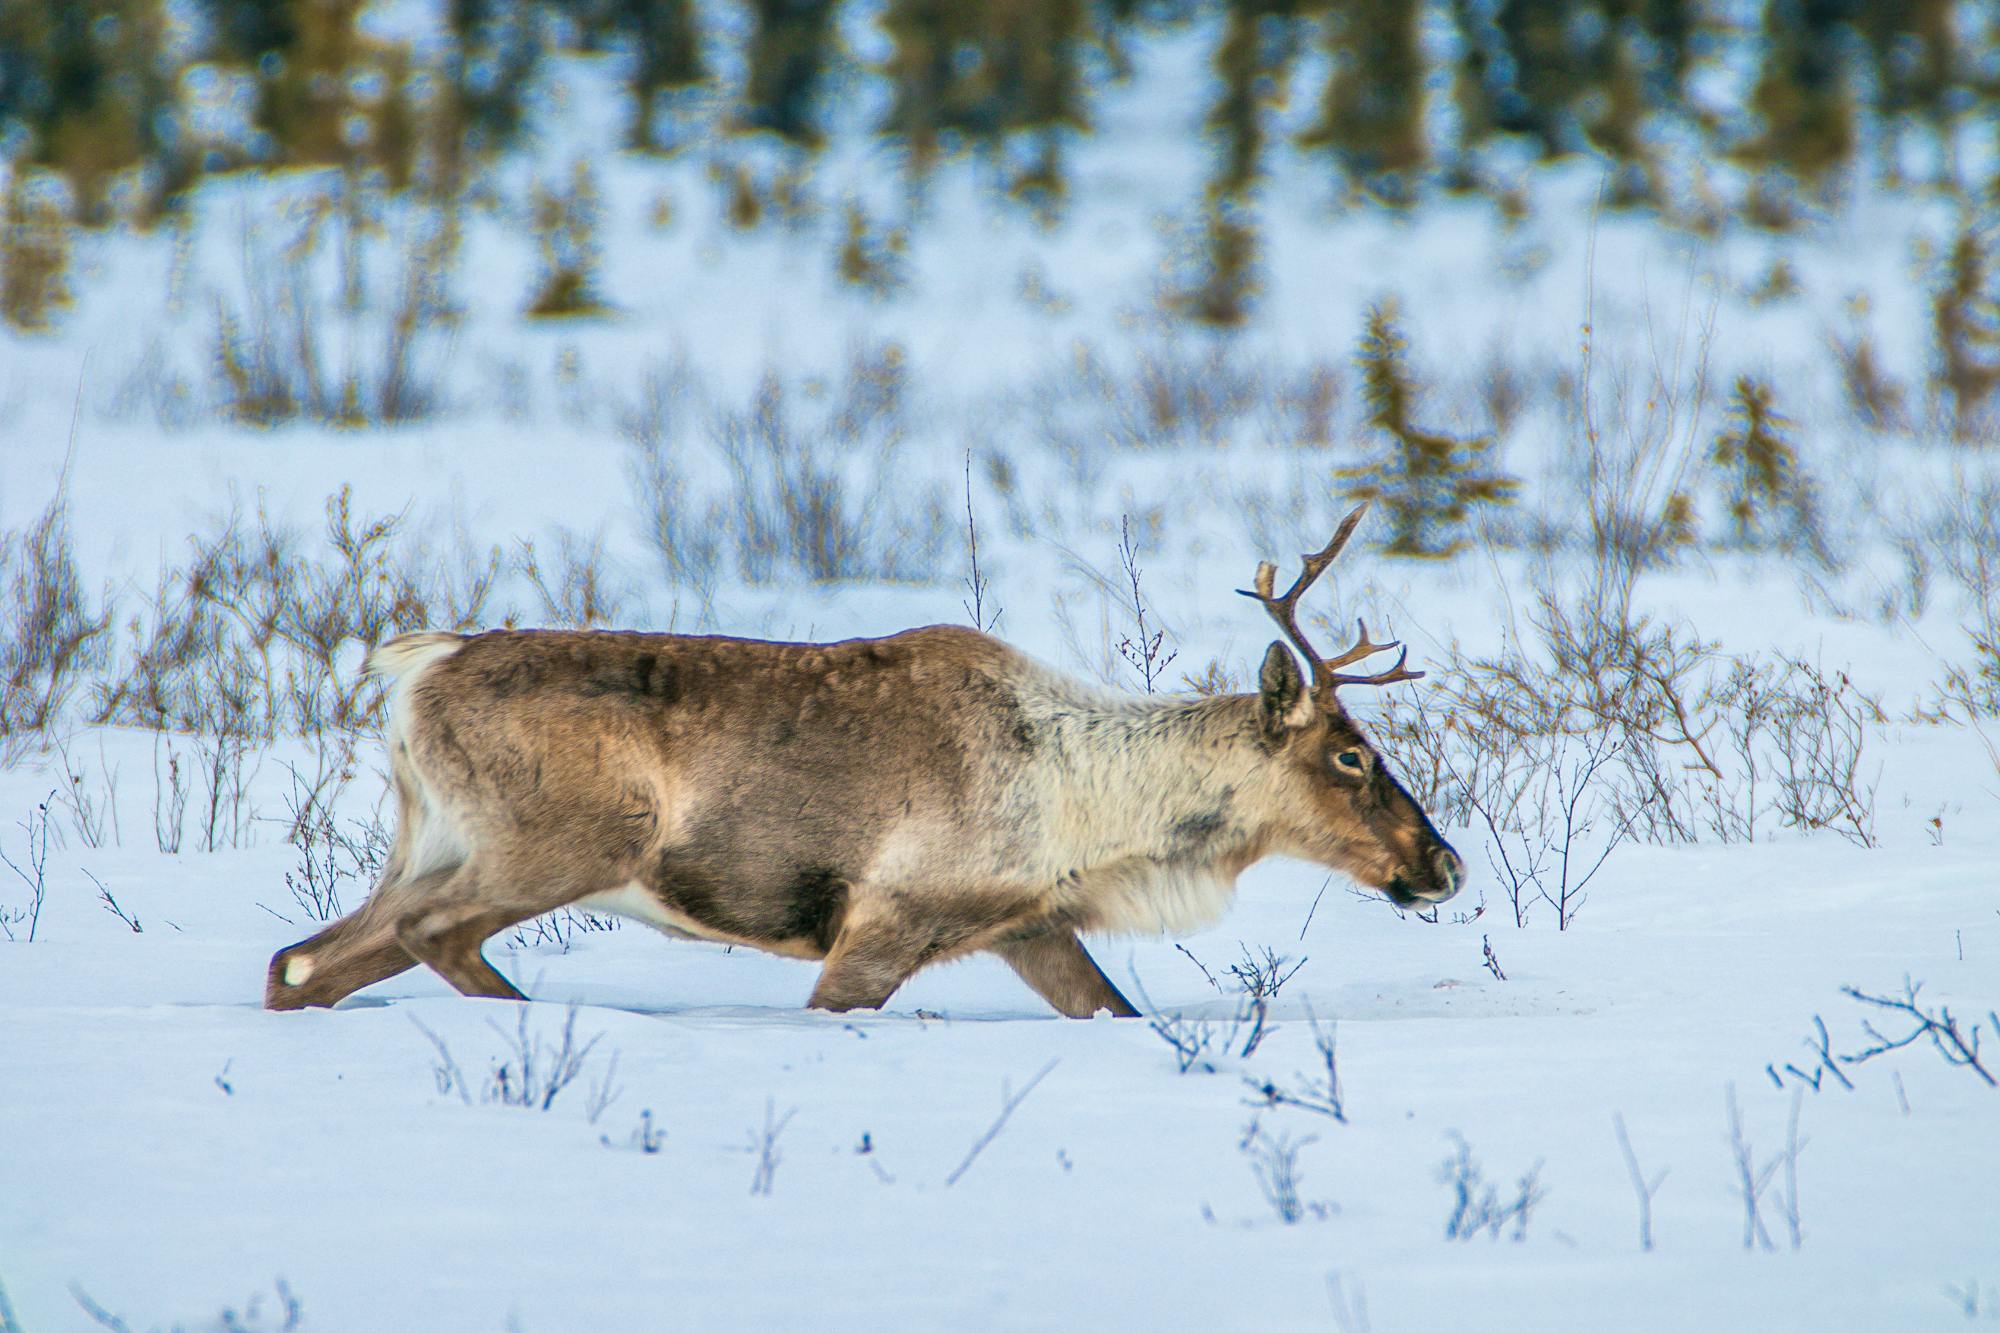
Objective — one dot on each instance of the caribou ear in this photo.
(1286, 704)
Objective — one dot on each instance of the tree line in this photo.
(1414, 97)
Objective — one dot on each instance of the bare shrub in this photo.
(328, 856)
(1962, 536)
(559, 929)
(686, 536)
(828, 498)
(1010, 1101)
(1256, 981)
(1820, 733)
(1475, 1203)
(1632, 453)
(1349, 1302)
(573, 589)
(33, 875)
(977, 587)
(272, 359)
(1643, 1188)
(262, 632)
(1274, 1160)
(1188, 1038)
(222, 750)
(109, 903)
(531, 1071)
(646, 1137)
(1319, 1091)
(50, 632)
(535, 1071)
(170, 798)
(285, 1315)
(1144, 648)
(1594, 718)
(1753, 1178)
(1169, 390)
(1545, 851)
(92, 807)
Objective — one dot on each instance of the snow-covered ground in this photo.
(169, 1147)
(169, 1150)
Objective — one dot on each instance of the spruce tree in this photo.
(1372, 115)
(1965, 314)
(1802, 100)
(1616, 128)
(1759, 461)
(1913, 59)
(787, 56)
(988, 76)
(90, 84)
(491, 50)
(1426, 483)
(925, 39)
(666, 55)
(1475, 91)
(1549, 72)
(1260, 39)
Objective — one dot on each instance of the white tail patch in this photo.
(408, 654)
(298, 970)
(433, 833)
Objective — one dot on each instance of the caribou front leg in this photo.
(886, 937)
(1058, 968)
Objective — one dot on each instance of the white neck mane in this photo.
(1149, 803)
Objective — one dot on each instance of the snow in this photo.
(1116, 1193)
(171, 1149)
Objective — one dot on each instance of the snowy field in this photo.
(171, 1155)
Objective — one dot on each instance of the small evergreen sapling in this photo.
(566, 225)
(1966, 315)
(34, 252)
(1425, 483)
(1761, 465)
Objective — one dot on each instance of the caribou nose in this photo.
(1450, 871)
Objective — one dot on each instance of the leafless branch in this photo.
(765, 1146)
(1319, 1092)
(1008, 1103)
(111, 903)
(1643, 1188)
(1751, 1179)
(1957, 1046)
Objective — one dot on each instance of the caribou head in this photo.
(1344, 808)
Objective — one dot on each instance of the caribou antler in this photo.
(1284, 610)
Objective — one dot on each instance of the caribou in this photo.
(878, 805)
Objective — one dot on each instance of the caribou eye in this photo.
(1349, 759)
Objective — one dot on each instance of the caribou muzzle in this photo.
(1446, 875)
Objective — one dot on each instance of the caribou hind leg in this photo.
(354, 952)
(1058, 968)
(446, 927)
(357, 951)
